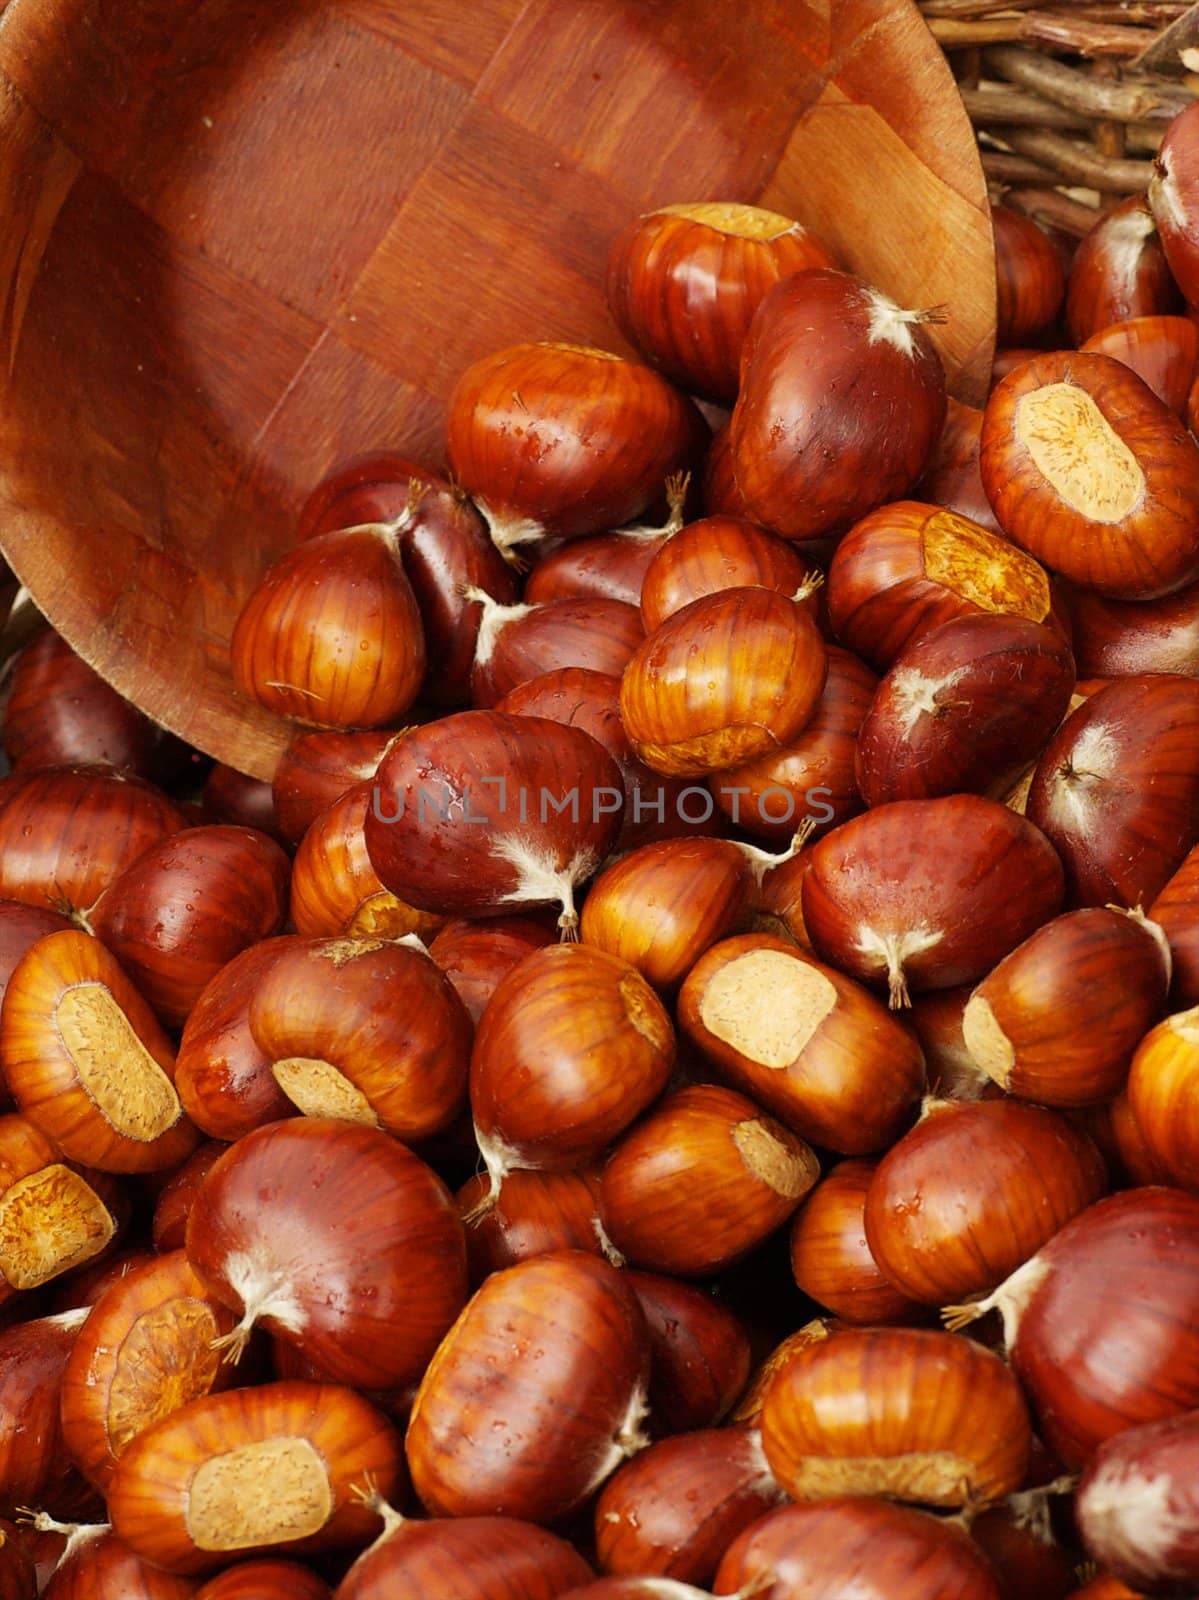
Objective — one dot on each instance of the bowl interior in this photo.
(246, 238)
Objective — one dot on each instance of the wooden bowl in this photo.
(243, 239)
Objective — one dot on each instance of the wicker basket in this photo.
(1069, 101)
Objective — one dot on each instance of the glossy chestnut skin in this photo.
(472, 1558)
(1117, 789)
(685, 280)
(533, 1214)
(331, 635)
(919, 893)
(974, 1190)
(611, 566)
(230, 796)
(1173, 911)
(673, 1510)
(1162, 1098)
(866, 1547)
(367, 1030)
(100, 1566)
(34, 1463)
(560, 440)
(1017, 1538)
(964, 709)
(660, 907)
(337, 1238)
(654, 807)
(699, 1354)
(831, 1259)
(1172, 198)
(1119, 271)
(907, 567)
(1088, 471)
(803, 1041)
(1162, 351)
(763, 662)
(1058, 1019)
(1030, 277)
(907, 1412)
(572, 1048)
(18, 1571)
(334, 888)
(476, 956)
(812, 779)
(187, 906)
(951, 476)
(265, 1580)
(535, 1396)
(68, 832)
(87, 1061)
(484, 812)
(443, 546)
(1137, 1506)
(952, 1072)
(718, 553)
(60, 713)
(146, 1349)
(1116, 639)
(177, 1195)
(317, 768)
(700, 1181)
(298, 1449)
(1100, 1324)
(21, 926)
(517, 643)
(806, 460)
(222, 1077)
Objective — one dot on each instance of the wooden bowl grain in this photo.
(245, 238)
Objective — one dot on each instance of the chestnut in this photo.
(831, 1259)
(1119, 271)
(532, 1214)
(475, 956)
(685, 280)
(1163, 351)
(316, 769)
(34, 1465)
(1090, 472)
(1162, 1098)
(1174, 912)
(842, 398)
(804, 1041)
(558, 440)
(609, 566)
(96, 1564)
(1138, 1505)
(520, 642)
(1123, 639)
(700, 1181)
(910, 1413)
(233, 797)
(1171, 199)
(732, 676)
(265, 1580)
(536, 1394)
(1030, 276)
(53, 1216)
(177, 1195)
(951, 476)
(699, 1353)
(718, 553)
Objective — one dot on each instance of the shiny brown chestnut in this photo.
(96, 1565)
(732, 676)
(176, 1197)
(1119, 271)
(1030, 277)
(936, 1020)
(1088, 471)
(964, 709)
(86, 1060)
(1058, 1019)
(951, 476)
(909, 1413)
(699, 1353)
(265, 1580)
(230, 796)
(519, 642)
(337, 1238)
(700, 1181)
(317, 768)
(841, 400)
(611, 566)
(831, 1259)
(34, 1463)
(974, 1190)
(444, 550)
(1122, 639)
(476, 956)
(1172, 200)
(187, 906)
(535, 1396)
(685, 280)
(1138, 1505)
(1117, 789)
(533, 1214)
(907, 567)
(718, 553)
(558, 440)
(1162, 351)
(1174, 911)
(367, 1030)
(921, 894)
(1162, 1086)
(805, 1042)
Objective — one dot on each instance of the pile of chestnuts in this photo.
(687, 1082)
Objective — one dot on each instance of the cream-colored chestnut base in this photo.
(259, 1494)
(980, 567)
(1077, 451)
(778, 1166)
(49, 1222)
(929, 1478)
(767, 1005)
(320, 1090)
(731, 217)
(167, 1358)
(130, 1089)
(987, 1042)
(637, 998)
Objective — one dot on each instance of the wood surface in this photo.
(245, 238)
